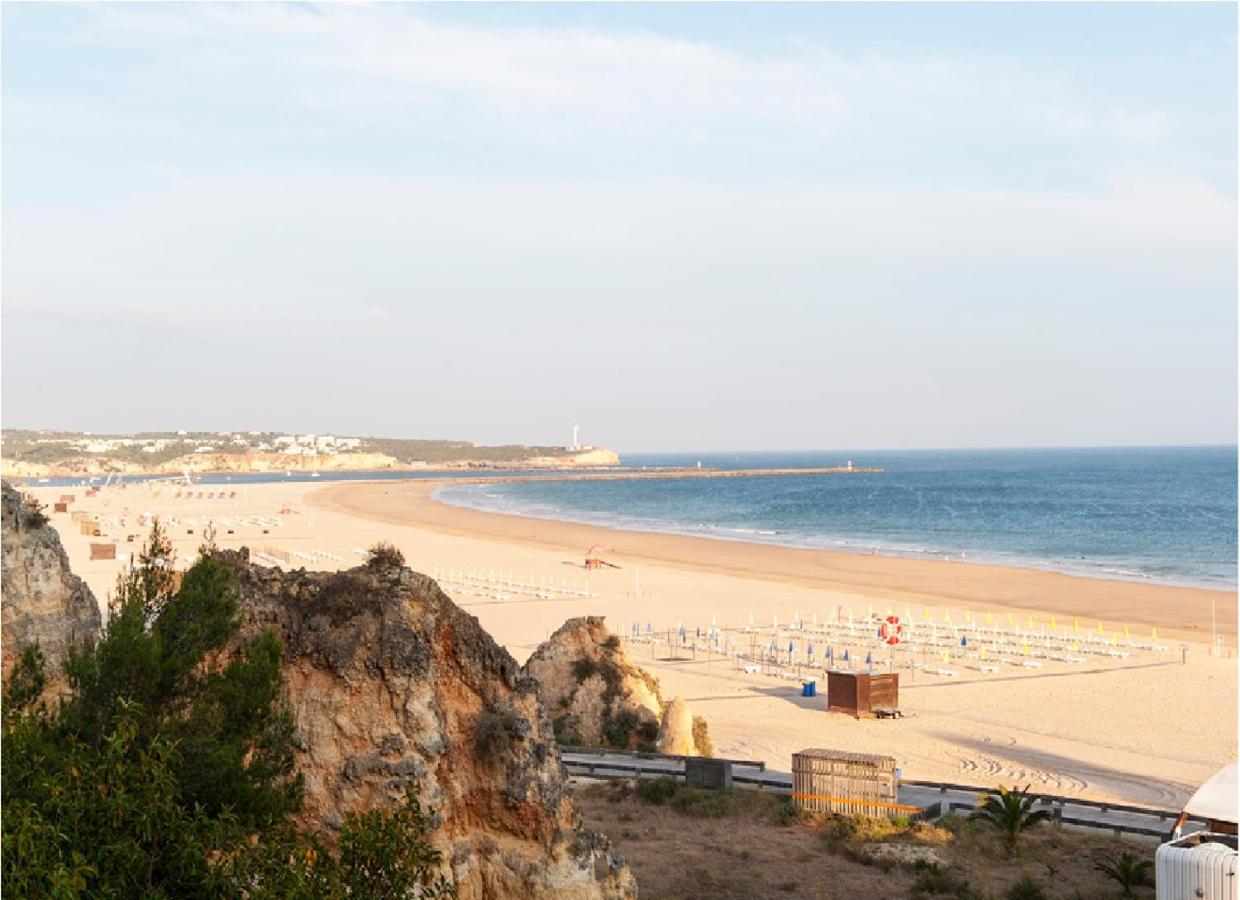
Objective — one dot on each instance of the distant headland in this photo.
(41, 454)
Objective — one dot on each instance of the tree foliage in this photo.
(167, 769)
(1127, 870)
(1011, 812)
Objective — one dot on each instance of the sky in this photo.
(680, 226)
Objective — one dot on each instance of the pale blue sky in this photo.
(685, 227)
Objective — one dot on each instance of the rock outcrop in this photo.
(598, 697)
(393, 685)
(43, 603)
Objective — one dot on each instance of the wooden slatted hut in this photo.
(836, 781)
(860, 693)
(103, 551)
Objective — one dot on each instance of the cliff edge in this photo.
(44, 603)
(393, 685)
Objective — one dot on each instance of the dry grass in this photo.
(732, 847)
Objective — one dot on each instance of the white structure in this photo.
(1204, 863)
(576, 444)
(1197, 866)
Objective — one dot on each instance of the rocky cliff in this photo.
(392, 685)
(43, 601)
(598, 697)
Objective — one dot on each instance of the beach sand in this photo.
(1146, 729)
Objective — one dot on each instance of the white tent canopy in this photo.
(1216, 799)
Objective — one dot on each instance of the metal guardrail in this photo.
(644, 754)
(1051, 799)
(779, 782)
(1118, 828)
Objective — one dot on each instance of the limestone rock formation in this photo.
(681, 733)
(392, 685)
(43, 601)
(598, 697)
(593, 692)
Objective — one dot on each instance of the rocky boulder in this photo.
(393, 685)
(43, 602)
(597, 696)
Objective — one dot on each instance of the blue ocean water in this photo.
(1166, 515)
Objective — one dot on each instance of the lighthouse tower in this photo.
(576, 443)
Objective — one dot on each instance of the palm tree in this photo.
(1127, 870)
(1011, 812)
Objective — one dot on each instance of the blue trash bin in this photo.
(809, 688)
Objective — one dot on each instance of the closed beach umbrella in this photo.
(845, 654)
(964, 641)
(809, 651)
(791, 648)
(869, 659)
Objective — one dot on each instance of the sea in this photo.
(1157, 514)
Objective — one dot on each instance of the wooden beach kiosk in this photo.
(861, 693)
(837, 781)
(103, 551)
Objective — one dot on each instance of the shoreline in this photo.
(1179, 612)
(885, 552)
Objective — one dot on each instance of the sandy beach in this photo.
(1139, 727)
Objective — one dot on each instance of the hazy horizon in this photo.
(687, 226)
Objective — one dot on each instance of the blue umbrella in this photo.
(810, 650)
(869, 659)
(845, 654)
(699, 631)
(791, 647)
(964, 642)
(880, 634)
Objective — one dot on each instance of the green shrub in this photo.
(32, 514)
(931, 879)
(785, 811)
(496, 733)
(583, 668)
(1025, 889)
(657, 791)
(383, 556)
(1127, 870)
(617, 731)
